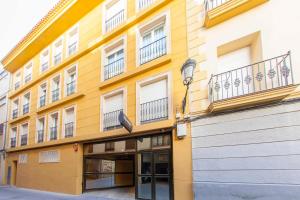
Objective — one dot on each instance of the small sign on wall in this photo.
(181, 130)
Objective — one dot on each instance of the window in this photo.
(28, 72)
(3, 109)
(17, 80)
(53, 126)
(49, 156)
(24, 134)
(72, 41)
(2, 129)
(111, 107)
(114, 14)
(109, 146)
(114, 61)
(55, 89)
(154, 104)
(26, 101)
(15, 109)
(22, 159)
(13, 137)
(58, 51)
(44, 60)
(153, 40)
(40, 130)
(69, 122)
(70, 80)
(42, 95)
(142, 4)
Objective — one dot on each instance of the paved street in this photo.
(7, 193)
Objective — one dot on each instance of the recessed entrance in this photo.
(137, 168)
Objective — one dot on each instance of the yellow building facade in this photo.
(86, 64)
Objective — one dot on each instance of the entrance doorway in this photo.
(140, 166)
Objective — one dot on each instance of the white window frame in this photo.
(30, 66)
(21, 132)
(106, 53)
(150, 80)
(23, 158)
(39, 94)
(18, 107)
(104, 11)
(37, 128)
(56, 161)
(54, 49)
(41, 59)
(122, 90)
(17, 78)
(60, 86)
(29, 101)
(10, 135)
(66, 76)
(49, 124)
(156, 21)
(76, 26)
(74, 122)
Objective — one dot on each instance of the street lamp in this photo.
(187, 72)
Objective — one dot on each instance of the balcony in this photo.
(111, 120)
(114, 21)
(69, 129)
(27, 78)
(25, 108)
(153, 50)
(24, 140)
(42, 100)
(113, 69)
(40, 136)
(53, 133)
(55, 95)
(144, 3)
(57, 59)
(218, 11)
(154, 110)
(265, 81)
(44, 66)
(15, 113)
(72, 48)
(71, 88)
(17, 85)
(13, 142)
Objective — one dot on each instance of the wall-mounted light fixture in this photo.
(187, 73)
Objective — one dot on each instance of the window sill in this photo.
(138, 70)
(259, 98)
(228, 10)
(20, 118)
(60, 102)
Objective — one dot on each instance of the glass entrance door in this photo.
(154, 175)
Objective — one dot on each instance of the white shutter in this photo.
(153, 91)
(234, 60)
(113, 103)
(69, 115)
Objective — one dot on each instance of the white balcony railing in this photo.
(211, 4)
(144, 3)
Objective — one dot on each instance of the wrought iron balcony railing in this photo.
(40, 136)
(24, 139)
(53, 133)
(211, 4)
(25, 108)
(44, 66)
(17, 85)
(71, 88)
(145, 3)
(114, 21)
(154, 110)
(27, 78)
(72, 48)
(153, 50)
(114, 68)
(55, 95)
(111, 120)
(15, 113)
(57, 59)
(13, 142)
(266, 75)
(42, 100)
(69, 129)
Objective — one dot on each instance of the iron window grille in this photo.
(111, 120)
(72, 48)
(69, 129)
(53, 133)
(145, 3)
(26, 108)
(114, 21)
(57, 59)
(42, 100)
(15, 113)
(24, 140)
(154, 110)
(40, 136)
(27, 78)
(71, 88)
(13, 142)
(153, 50)
(211, 4)
(114, 68)
(55, 95)
(44, 66)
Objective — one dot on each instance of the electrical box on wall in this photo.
(181, 130)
